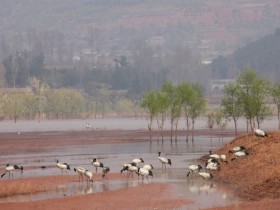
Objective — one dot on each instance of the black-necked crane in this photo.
(89, 175)
(62, 166)
(212, 160)
(126, 165)
(240, 154)
(10, 168)
(130, 168)
(260, 133)
(205, 175)
(80, 171)
(144, 173)
(105, 171)
(215, 156)
(88, 126)
(193, 169)
(97, 164)
(137, 161)
(148, 166)
(164, 160)
(218, 157)
(237, 149)
(212, 166)
(224, 158)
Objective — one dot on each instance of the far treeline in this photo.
(247, 98)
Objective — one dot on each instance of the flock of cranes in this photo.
(82, 172)
(147, 170)
(131, 167)
(213, 163)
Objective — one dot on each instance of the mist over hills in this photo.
(262, 55)
(168, 40)
(218, 26)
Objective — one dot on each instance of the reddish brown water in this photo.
(205, 194)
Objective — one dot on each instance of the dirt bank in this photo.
(256, 176)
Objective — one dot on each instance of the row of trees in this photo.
(40, 101)
(171, 102)
(249, 97)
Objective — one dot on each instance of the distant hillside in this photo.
(82, 42)
(262, 55)
(210, 27)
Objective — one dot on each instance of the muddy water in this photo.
(115, 123)
(203, 193)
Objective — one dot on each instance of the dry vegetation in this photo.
(13, 187)
(256, 176)
(145, 196)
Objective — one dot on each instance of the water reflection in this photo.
(201, 187)
(206, 193)
(182, 154)
(84, 188)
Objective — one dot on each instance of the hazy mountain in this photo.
(262, 55)
(212, 27)
(81, 43)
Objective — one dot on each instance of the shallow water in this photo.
(203, 193)
(115, 123)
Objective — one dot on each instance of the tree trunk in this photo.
(188, 129)
(176, 129)
(251, 125)
(171, 134)
(150, 131)
(193, 130)
(158, 130)
(235, 127)
(15, 118)
(39, 116)
(161, 129)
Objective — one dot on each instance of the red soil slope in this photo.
(256, 176)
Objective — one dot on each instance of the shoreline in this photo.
(144, 196)
(38, 141)
(128, 123)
